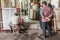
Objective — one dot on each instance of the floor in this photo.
(32, 34)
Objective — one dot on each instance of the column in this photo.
(28, 7)
(16, 3)
(0, 19)
(2, 3)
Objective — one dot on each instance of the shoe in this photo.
(49, 36)
(44, 38)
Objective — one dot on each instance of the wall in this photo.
(55, 3)
(57, 22)
(48, 1)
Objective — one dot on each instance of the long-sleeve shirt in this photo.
(40, 11)
(46, 14)
(14, 19)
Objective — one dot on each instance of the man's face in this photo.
(43, 5)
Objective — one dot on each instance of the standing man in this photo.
(40, 15)
(46, 14)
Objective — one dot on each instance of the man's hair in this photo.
(44, 2)
(49, 5)
(16, 14)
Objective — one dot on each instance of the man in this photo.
(40, 14)
(14, 22)
(46, 14)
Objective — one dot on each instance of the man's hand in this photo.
(47, 18)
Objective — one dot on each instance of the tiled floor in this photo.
(31, 35)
